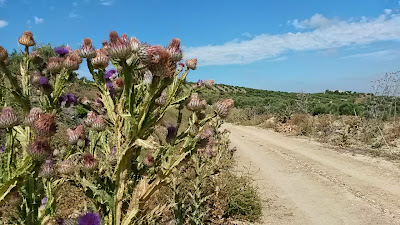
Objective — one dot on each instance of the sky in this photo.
(281, 45)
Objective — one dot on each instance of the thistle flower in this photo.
(90, 118)
(152, 54)
(118, 84)
(67, 100)
(180, 67)
(72, 100)
(89, 219)
(111, 74)
(175, 50)
(36, 57)
(66, 167)
(223, 107)
(74, 135)
(45, 125)
(110, 87)
(27, 39)
(162, 100)
(148, 160)
(87, 50)
(119, 47)
(33, 115)
(163, 69)
(3, 54)
(195, 103)
(134, 44)
(2, 149)
(209, 83)
(89, 163)
(101, 60)
(99, 124)
(8, 118)
(47, 169)
(191, 64)
(148, 77)
(62, 50)
(44, 201)
(39, 149)
(71, 62)
(78, 56)
(54, 64)
(171, 132)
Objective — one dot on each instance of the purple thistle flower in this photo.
(43, 81)
(62, 99)
(87, 142)
(110, 74)
(44, 201)
(89, 219)
(2, 149)
(72, 99)
(62, 50)
(110, 87)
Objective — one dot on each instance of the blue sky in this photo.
(284, 45)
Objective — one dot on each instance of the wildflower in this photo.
(3, 54)
(148, 160)
(62, 50)
(148, 77)
(39, 149)
(195, 103)
(119, 47)
(118, 84)
(87, 50)
(87, 142)
(2, 149)
(111, 74)
(71, 62)
(89, 219)
(90, 118)
(180, 67)
(152, 54)
(191, 64)
(45, 125)
(27, 39)
(55, 64)
(101, 59)
(175, 50)
(44, 201)
(47, 169)
(171, 132)
(72, 99)
(33, 115)
(75, 135)
(99, 124)
(110, 87)
(134, 44)
(223, 107)
(89, 163)
(8, 118)
(66, 167)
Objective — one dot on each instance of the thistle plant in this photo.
(110, 155)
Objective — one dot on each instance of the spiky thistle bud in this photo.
(152, 54)
(223, 107)
(90, 118)
(71, 62)
(195, 103)
(191, 64)
(66, 167)
(77, 56)
(101, 60)
(87, 50)
(89, 163)
(175, 50)
(134, 44)
(148, 77)
(8, 118)
(27, 39)
(119, 47)
(55, 64)
(47, 169)
(118, 84)
(33, 115)
(99, 124)
(148, 160)
(162, 100)
(39, 149)
(74, 135)
(209, 83)
(3, 54)
(45, 125)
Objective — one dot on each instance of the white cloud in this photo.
(282, 58)
(382, 54)
(3, 23)
(72, 14)
(38, 20)
(323, 34)
(247, 34)
(106, 2)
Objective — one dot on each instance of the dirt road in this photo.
(303, 182)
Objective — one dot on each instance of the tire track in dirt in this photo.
(303, 182)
